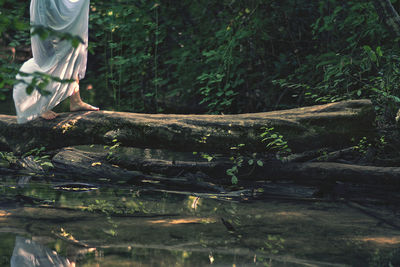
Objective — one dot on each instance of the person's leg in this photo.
(76, 103)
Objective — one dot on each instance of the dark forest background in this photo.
(225, 56)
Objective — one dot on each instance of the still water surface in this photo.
(91, 225)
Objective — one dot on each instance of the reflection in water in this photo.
(28, 253)
(68, 223)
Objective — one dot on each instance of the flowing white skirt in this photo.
(53, 56)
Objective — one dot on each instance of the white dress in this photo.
(52, 56)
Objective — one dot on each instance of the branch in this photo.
(388, 14)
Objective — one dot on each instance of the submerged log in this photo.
(330, 125)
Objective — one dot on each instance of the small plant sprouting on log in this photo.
(111, 148)
(39, 157)
(206, 156)
(239, 159)
(363, 146)
(376, 146)
(9, 157)
(274, 141)
(233, 172)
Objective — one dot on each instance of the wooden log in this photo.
(331, 171)
(308, 128)
(170, 163)
(92, 166)
(74, 162)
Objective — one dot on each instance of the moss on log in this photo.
(330, 125)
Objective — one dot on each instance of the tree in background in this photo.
(230, 56)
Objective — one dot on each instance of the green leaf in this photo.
(75, 43)
(379, 51)
(234, 179)
(367, 48)
(47, 164)
(29, 89)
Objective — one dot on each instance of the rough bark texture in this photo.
(331, 125)
(95, 167)
(137, 170)
(332, 171)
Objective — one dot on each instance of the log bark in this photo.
(74, 162)
(331, 171)
(94, 167)
(330, 125)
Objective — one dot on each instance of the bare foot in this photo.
(82, 106)
(49, 115)
(76, 103)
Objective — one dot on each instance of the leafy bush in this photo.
(228, 56)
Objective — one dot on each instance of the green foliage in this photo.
(14, 32)
(110, 208)
(154, 57)
(14, 22)
(363, 146)
(353, 56)
(8, 156)
(7, 159)
(39, 156)
(233, 172)
(226, 56)
(274, 141)
(115, 145)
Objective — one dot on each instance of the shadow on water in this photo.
(92, 225)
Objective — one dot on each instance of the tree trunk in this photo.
(388, 14)
(332, 125)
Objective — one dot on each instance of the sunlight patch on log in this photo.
(382, 240)
(170, 222)
(67, 125)
(4, 214)
(290, 214)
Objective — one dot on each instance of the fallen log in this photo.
(332, 171)
(94, 167)
(331, 125)
(204, 175)
(303, 172)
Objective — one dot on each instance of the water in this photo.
(100, 225)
